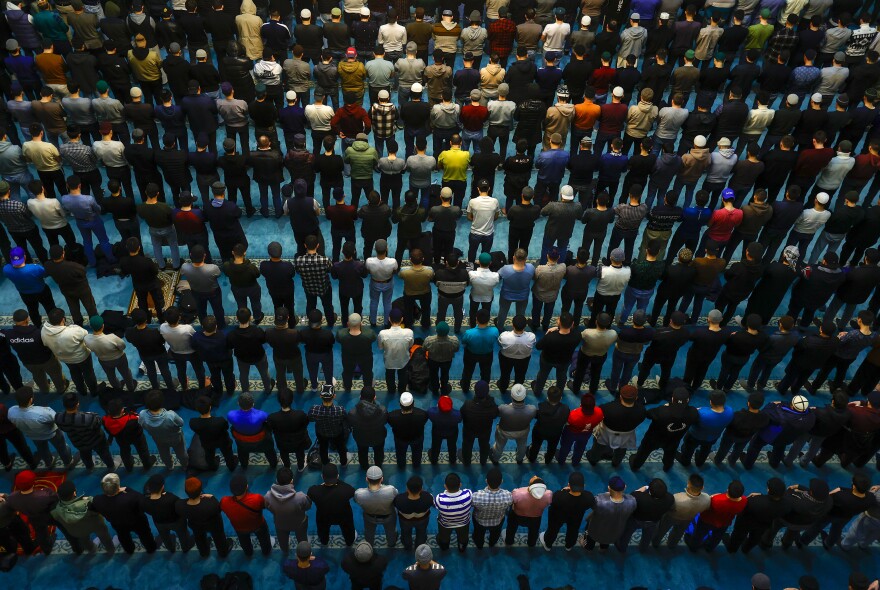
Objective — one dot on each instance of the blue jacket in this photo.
(693, 220)
(611, 166)
(211, 349)
(201, 111)
(25, 69)
(28, 279)
(247, 422)
(171, 117)
(551, 165)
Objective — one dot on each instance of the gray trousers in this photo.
(85, 541)
(165, 447)
(520, 437)
(120, 365)
(863, 531)
(52, 368)
(388, 522)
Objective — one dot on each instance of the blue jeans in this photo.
(86, 228)
(385, 291)
(572, 441)
(17, 183)
(468, 137)
(633, 297)
(622, 366)
(826, 243)
(59, 442)
(548, 243)
(475, 241)
(167, 234)
(688, 187)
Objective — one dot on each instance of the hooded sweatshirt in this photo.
(833, 174)
(721, 165)
(249, 25)
(632, 41)
(66, 342)
(288, 506)
(490, 78)
(640, 119)
(693, 164)
(76, 518)
(11, 161)
(362, 157)
(166, 426)
(446, 36)
(445, 115)
(367, 420)
(352, 75)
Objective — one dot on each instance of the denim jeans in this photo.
(469, 137)
(504, 308)
(561, 245)
(86, 228)
(622, 365)
(827, 242)
(476, 241)
(59, 442)
(17, 183)
(385, 291)
(572, 442)
(158, 235)
(635, 297)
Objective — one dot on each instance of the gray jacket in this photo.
(11, 160)
(289, 507)
(721, 165)
(164, 427)
(516, 416)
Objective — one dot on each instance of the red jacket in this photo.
(350, 120)
(865, 168)
(245, 514)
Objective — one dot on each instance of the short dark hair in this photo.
(414, 484)
(154, 400)
(453, 482)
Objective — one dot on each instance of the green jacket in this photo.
(76, 517)
(363, 158)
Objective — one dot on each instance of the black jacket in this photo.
(741, 279)
(290, 430)
(173, 164)
(859, 283)
(176, 68)
(671, 421)
(816, 285)
(409, 426)
(551, 419)
(478, 415)
(82, 428)
(367, 420)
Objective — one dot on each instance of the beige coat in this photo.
(640, 118)
(490, 77)
(558, 120)
(248, 25)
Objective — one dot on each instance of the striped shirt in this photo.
(454, 509)
(490, 506)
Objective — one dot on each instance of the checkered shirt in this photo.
(490, 506)
(78, 156)
(314, 271)
(15, 216)
(783, 39)
(329, 420)
(501, 35)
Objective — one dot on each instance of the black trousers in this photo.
(33, 301)
(538, 439)
(467, 446)
(216, 533)
(470, 361)
(444, 536)
(516, 366)
(424, 302)
(225, 448)
(438, 374)
(648, 444)
(65, 232)
(338, 442)
(266, 446)
(16, 534)
(141, 529)
(401, 446)
(142, 291)
(603, 304)
(364, 455)
(648, 363)
(350, 363)
(443, 243)
(518, 238)
(17, 440)
(292, 365)
(262, 535)
(140, 445)
(222, 375)
(284, 452)
(555, 523)
(33, 239)
(514, 521)
(347, 528)
(480, 531)
(437, 443)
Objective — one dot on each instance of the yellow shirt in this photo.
(454, 163)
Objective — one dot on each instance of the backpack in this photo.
(499, 259)
(186, 303)
(130, 399)
(115, 322)
(196, 452)
(426, 245)
(417, 369)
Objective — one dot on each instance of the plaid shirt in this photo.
(784, 39)
(490, 506)
(501, 35)
(329, 420)
(16, 217)
(384, 118)
(314, 271)
(78, 156)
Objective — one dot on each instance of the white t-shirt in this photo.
(381, 270)
(484, 210)
(483, 283)
(319, 116)
(555, 36)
